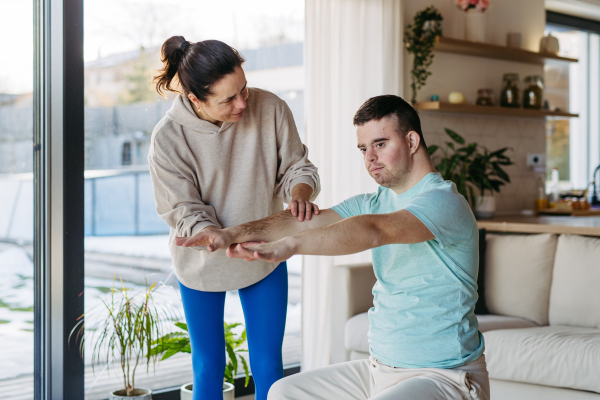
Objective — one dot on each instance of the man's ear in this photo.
(414, 139)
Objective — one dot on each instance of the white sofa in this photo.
(542, 330)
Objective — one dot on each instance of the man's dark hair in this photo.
(389, 105)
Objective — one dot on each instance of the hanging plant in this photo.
(419, 39)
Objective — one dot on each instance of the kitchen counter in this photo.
(587, 226)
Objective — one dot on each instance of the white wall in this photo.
(453, 72)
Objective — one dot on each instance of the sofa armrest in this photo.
(351, 294)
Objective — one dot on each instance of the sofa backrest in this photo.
(518, 275)
(575, 292)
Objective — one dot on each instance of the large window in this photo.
(124, 236)
(573, 145)
(16, 201)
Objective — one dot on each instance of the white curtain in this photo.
(353, 51)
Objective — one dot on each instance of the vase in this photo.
(475, 29)
(228, 391)
(485, 207)
(138, 394)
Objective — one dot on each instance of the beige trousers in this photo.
(370, 379)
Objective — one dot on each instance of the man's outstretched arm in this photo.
(268, 229)
(349, 236)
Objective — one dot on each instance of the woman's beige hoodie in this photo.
(204, 175)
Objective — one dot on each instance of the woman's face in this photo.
(228, 102)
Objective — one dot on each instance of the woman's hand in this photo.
(303, 209)
(211, 237)
(300, 205)
(275, 252)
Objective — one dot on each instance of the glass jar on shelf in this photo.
(485, 97)
(509, 97)
(533, 93)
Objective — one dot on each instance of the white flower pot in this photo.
(485, 207)
(475, 29)
(228, 391)
(138, 394)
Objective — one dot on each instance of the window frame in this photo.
(59, 164)
(58, 197)
(589, 26)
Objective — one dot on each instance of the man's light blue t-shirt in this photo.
(425, 292)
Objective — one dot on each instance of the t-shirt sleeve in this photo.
(445, 213)
(353, 206)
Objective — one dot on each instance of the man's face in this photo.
(386, 152)
(228, 100)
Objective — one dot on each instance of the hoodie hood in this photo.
(182, 112)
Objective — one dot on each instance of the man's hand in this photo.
(300, 205)
(275, 252)
(211, 237)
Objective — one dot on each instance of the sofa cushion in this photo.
(518, 275)
(575, 293)
(490, 322)
(357, 329)
(561, 356)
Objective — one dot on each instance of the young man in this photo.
(423, 338)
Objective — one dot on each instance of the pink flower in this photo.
(463, 4)
(482, 5)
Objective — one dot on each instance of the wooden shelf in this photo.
(490, 110)
(588, 226)
(457, 46)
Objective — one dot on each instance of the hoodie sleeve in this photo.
(178, 200)
(292, 158)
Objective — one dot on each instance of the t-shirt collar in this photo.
(415, 190)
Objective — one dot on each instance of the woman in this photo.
(223, 155)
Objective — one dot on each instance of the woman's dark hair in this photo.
(198, 66)
(389, 105)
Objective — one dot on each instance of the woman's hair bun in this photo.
(198, 66)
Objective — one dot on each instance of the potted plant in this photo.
(179, 342)
(419, 39)
(129, 324)
(473, 168)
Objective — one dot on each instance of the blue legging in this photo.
(265, 308)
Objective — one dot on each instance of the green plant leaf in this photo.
(181, 325)
(455, 136)
(495, 184)
(432, 149)
(498, 152)
(232, 357)
(246, 370)
(500, 172)
(229, 375)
